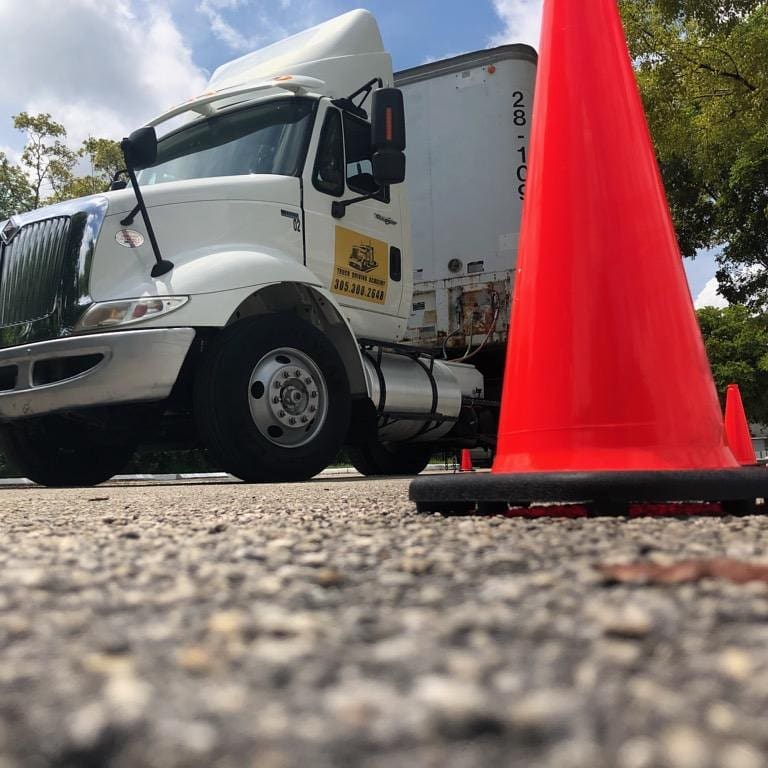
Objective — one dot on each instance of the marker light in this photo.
(107, 314)
(388, 120)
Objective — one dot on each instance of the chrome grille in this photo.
(30, 275)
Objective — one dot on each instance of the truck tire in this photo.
(59, 452)
(272, 400)
(375, 458)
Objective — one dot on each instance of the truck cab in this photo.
(246, 292)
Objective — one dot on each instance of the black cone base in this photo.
(603, 493)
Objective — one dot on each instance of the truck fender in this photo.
(317, 306)
(232, 270)
(218, 280)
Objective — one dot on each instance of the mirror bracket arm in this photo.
(162, 267)
(348, 103)
(339, 207)
(128, 220)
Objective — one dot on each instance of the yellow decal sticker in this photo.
(360, 267)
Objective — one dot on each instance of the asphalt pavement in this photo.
(329, 625)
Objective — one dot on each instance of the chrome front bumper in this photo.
(122, 367)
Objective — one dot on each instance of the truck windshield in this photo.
(266, 138)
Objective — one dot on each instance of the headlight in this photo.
(107, 314)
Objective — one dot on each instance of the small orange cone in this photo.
(466, 461)
(737, 427)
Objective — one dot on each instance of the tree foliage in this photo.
(737, 346)
(15, 190)
(104, 159)
(46, 159)
(48, 167)
(703, 71)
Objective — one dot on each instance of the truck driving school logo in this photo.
(362, 258)
(360, 267)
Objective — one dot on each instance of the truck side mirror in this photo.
(140, 148)
(388, 136)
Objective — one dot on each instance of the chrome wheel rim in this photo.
(287, 397)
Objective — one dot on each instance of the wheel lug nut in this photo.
(307, 380)
(312, 409)
(286, 375)
(281, 414)
(275, 399)
(291, 420)
(297, 374)
(277, 385)
(304, 419)
(313, 394)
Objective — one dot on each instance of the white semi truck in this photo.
(251, 290)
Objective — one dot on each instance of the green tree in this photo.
(702, 66)
(737, 346)
(104, 159)
(15, 191)
(46, 160)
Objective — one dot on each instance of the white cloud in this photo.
(709, 297)
(522, 22)
(441, 57)
(101, 68)
(265, 21)
(212, 10)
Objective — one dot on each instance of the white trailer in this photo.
(251, 291)
(468, 121)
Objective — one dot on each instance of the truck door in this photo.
(357, 257)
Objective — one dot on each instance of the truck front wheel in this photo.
(59, 451)
(272, 400)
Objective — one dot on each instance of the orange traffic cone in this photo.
(466, 461)
(737, 427)
(608, 398)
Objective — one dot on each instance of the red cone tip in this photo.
(606, 368)
(737, 427)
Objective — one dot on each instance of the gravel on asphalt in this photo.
(329, 625)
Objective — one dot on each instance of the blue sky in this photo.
(104, 67)
(413, 32)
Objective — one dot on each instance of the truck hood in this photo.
(220, 234)
(256, 188)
